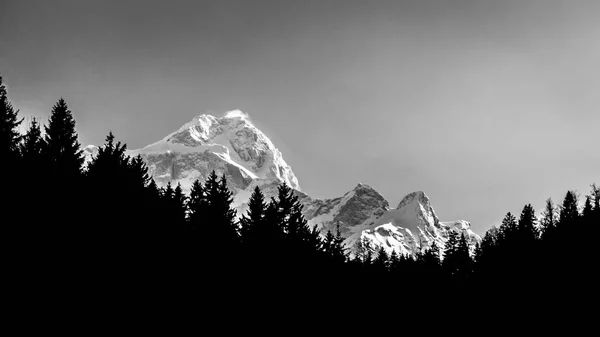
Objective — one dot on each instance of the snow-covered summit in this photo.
(411, 227)
(234, 147)
(230, 145)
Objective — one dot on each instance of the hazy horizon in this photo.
(483, 105)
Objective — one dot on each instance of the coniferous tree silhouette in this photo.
(549, 220)
(197, 207)
(65, 207)
(463, 257)
(252, 224)
(63, 148)
(220, 227)
(179, 209)
(588, 210)
(301, 244)
(334, 246)
(431, 258)
(450, 262)
(526, 226)
(9, 128)
(107, 174)
(394, 263)
(508, 228)
(15, 199)
(33, 144)
(31, 166)
(569, 212)
(380, 264)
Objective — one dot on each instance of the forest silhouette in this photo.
(108, 227)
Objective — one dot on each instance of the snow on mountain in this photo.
(363, 214)
(89, 152)
(412, 226)
(232, 146)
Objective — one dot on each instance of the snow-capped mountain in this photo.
(232, 146)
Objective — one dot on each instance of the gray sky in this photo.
(484, 105)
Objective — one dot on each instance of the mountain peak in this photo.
(230, 144)
(236, 114)
(418, 196)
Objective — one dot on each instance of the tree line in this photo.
(109, 222)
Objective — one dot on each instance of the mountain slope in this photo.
(232, 146)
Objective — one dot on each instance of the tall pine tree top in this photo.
(63, 148)
(549, 218)
(509, 227)
(33, 144)
(255, 217)
(527, 230)
(569, 212)
(9, 127)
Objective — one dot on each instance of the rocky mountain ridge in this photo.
(232, 146)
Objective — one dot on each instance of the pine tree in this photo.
(450, 247)
(588, 211)
(197, 207)
(380, 264)
(220, 217)
(463, 257)
(394, 264)
(526, 226)
(508, 228)
(252, 223)
(107, 177)
(338, 249)
(179, 208)
(363, 250)
(569, 212)
(285, 203)
(549, 219)
(9, 128)
(63, 148)
(139, 177)
(431, 258)
(33, 144)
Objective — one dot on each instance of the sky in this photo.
(484, 105)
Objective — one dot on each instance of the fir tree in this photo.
(252, 223)
(508, 228)
(431, 258)
(549, 219)
(33, 144)
(220, 217)
(588, 211)
(450, 247)
(63, 148)
(338, 249)
(463, 256)
(139, 177)
(380, 264)
(526, 226)
(197, 206)
(569, 212)
(363, 251)
(179, 208)
(394, 264)
(9, 128)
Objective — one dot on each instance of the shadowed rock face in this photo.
(365, 202)
(185, 168)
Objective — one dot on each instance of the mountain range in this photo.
(232, 146)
